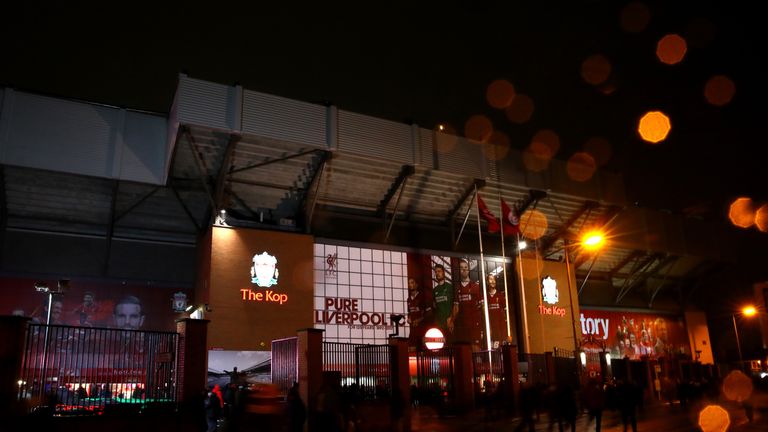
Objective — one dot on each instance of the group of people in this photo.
(563, 404)
(457, 309)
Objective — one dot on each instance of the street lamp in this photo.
(592, 240)
(747, 311)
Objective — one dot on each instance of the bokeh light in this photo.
(533, 224)
(714, 418)
(737, 386)
(478, 128)
(596, 69)
(719, 90)
(500, 94)
(761, 218)
(654, 127)
(536, 157)
(497, 146)
(446, 138)
(600, 149)
(671, 49)
(635, 17)
(742, 212)
(581, 167)
(549, 138)
(521, 109)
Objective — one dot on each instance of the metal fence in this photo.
(367, 367)
(435, 372)
(83, 370)
(533, 368)
(488, 366)
(285, 363)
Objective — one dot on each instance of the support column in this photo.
(463, 387)
(511, 375)
(401, 376)
(192, 364)
(604, 366)
(549, 364)
(309, 350)
(12, 332)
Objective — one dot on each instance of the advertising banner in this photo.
(88, 303)
(633, 334)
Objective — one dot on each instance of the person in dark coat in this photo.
(594, 401)
(297, 411)
(212, 411)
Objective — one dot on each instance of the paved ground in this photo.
(655, 417)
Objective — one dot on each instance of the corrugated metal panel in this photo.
(143, 157)
(564, 183)
(285, 119)
(426, 148)
(461, 156)
(371, 136)
(61, 135)
(206, 104)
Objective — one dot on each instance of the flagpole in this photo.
(526, 343)
(485, 291)
(504, 269)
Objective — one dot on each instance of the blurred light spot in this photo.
(761, 218)
(654, 126)
(445, 138)
(500, 94)
(536, 157)
(478, 128)
(742, 212)
(550, 139)
(595, 69)
(671, 49)
(533, 224)
(581, 167)
(719, 90)
(635, 17)
(521, 109)
(737, 386)
(699, 32)
(713, 418)
(532, 263)
(608, 88)
(497, 146)
(600, 149)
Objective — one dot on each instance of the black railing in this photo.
(284, 364)
(82, 370)
(365, 367)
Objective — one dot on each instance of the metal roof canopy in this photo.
(294, 183)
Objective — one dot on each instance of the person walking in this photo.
(594, 402)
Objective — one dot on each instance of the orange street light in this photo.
(593, 240)
(747, 311)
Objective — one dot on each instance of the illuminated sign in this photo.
(264, 274)
(263, 296)
(550, 295)
(347, 311)
(595, 326)
(179, 302)
(264, 270)
(434, 339)
(549, 291)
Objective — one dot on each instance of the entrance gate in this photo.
(435, 371)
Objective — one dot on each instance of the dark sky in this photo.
(408, 62)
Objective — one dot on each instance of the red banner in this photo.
(633, 334)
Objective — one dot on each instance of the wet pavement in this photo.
(655, 416)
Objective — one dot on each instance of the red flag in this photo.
(493, 223)
(511, 219)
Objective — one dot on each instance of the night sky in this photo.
(432, 65)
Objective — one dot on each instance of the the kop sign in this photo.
(434, 339)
